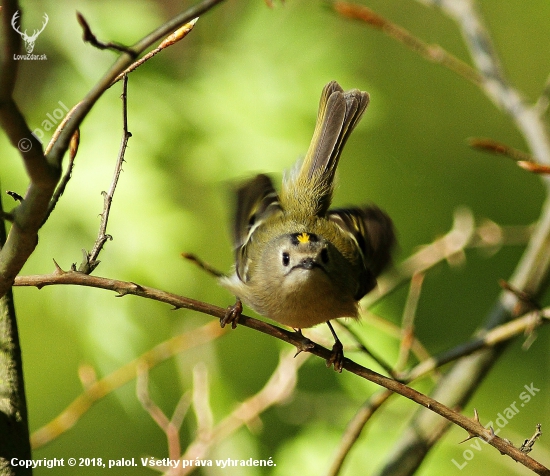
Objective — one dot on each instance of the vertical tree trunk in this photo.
(14, 428)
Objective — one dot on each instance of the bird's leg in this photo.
(337, 356)
(232, 314)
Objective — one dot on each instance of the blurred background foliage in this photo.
(239, 96)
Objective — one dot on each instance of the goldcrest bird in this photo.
(296, 261)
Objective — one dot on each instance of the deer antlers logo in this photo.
(29, 40)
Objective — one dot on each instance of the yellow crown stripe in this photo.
(303, 237)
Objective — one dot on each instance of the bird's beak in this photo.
(308, 263)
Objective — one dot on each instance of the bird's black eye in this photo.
(286, 259)
(324, 255)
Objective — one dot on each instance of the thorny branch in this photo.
(90, 260)
(297, 339)
(487, 235)
(525, 324)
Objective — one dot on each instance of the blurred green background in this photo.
(239, 96)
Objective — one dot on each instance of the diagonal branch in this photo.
(178, 35)
(300, 342)
(433, 53)
(525, 324)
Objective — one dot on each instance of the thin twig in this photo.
(90, 260)
(203, 265)
(407, 326)
(89, 37)
(355, 428)
(498, 148)
(433, 53)
(73, 150)
(522, 159)
(171, 39)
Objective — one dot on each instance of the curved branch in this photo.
(473, 427)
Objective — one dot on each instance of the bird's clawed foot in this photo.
(336, 357)
(232, 314)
